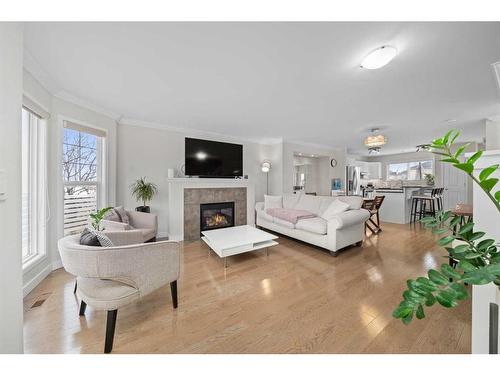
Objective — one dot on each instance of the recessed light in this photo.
(379, 57)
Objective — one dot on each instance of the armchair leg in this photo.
(110, 330)
(83, 306)
(76, 285)
(173, 291)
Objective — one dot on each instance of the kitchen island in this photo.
(397, 203)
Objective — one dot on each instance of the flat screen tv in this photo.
(213, 159)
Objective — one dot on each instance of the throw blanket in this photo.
(289, 214)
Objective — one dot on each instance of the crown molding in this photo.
(496, 71)
(66, 96)
(40, 74)
(196, 132)
(493, 118)
(31, 65)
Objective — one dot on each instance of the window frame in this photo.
(102, 160)
(36, 189)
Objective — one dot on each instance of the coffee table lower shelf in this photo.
(244, 248)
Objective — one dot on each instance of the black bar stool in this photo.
(422, 205)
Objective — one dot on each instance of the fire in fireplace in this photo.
(216, 215)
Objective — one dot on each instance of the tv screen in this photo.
(213, 159)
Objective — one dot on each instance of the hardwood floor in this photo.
(299, 299)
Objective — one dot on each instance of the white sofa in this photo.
(342, 230)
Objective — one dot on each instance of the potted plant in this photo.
(429, 179)
(477, 257)
(96, 217)
(143, 192)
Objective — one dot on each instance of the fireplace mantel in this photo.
(176, 188)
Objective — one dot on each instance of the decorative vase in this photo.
(143, 209)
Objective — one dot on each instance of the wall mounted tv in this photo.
(213, 159)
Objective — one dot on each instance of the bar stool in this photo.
(419, 204)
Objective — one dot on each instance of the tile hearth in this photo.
(193, 197)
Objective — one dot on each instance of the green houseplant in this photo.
(429, 179)
(477, 257)
(96, 217)
(143, 192)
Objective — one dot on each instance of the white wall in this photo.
(11, 307)
(326, 172)
(150, 152)
(274, 154)
(492, 135)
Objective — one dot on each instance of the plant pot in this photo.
(143, 209)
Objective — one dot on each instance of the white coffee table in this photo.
(226, 242)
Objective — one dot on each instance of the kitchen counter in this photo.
(397, 203)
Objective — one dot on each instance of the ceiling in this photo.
(296, 81)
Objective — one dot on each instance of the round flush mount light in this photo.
(379, 57)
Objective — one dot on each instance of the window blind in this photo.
(85, 129)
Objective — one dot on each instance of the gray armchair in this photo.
(145, 222)
(112, 277)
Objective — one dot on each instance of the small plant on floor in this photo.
(96, 217)
(477, 259)
(143, 192)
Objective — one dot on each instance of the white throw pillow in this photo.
(273, 201)
(335, 208)
(309, 203)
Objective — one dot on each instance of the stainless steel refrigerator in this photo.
(353, 180)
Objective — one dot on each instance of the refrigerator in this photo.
(353, 180)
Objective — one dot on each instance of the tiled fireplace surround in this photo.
(193, 197)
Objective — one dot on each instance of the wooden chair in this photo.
(373, 206)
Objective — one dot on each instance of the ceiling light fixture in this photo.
(375, 140)
(379, 57)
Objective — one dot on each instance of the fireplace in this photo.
(216, 215)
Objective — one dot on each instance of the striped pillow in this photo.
(103, 239)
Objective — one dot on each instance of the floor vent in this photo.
(39, 302)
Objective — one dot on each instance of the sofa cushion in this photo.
(325, 203)
(336, 207)
(283, 223)
(264, 215)
(113, 215)
(123, 214)
(353, 201)
(290, 200)
(148, 233)
(309, 203)
(315, 225)
(273, 201)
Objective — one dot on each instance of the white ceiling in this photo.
(298, 81)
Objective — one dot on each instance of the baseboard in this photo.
(30, 285)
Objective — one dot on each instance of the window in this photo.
(414, 170)
(82, 174)
(33, 205)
